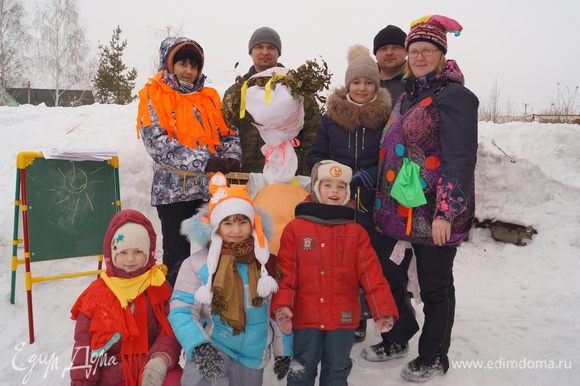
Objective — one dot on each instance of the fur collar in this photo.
(372, 116)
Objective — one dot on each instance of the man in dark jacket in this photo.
(265, 47)
(389, 49)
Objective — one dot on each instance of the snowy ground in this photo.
(517, 307)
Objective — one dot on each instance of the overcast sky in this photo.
(528, 46)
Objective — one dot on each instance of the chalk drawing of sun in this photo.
(72, 191)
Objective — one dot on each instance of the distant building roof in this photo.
(6, 99)
(37, 96)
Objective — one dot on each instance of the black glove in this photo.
(233, 165)
(216, 164)
(209, 361)
(281, 366)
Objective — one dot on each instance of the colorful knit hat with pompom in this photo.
(433, 29)
(227, 201)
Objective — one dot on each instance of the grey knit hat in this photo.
(361, 64)
(265, 35)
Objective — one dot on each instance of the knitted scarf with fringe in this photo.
(227, 285)
(175, 113)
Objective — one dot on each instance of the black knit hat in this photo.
(389, 35)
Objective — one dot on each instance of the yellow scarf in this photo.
(129, 289)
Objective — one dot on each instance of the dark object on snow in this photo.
(419, 371)
(385, 351)
(67, 98)
(507, 232)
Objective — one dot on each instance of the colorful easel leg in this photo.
(28, 274)
(14, 264)
(13, 278)
(115, 163)
(28, 280)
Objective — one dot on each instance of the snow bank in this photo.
(513, 303)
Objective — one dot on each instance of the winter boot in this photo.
(420, 371)
(360, 333)
(385, 351)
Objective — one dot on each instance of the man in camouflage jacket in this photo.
(265, 47)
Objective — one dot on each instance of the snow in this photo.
(517, 304)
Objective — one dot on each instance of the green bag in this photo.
(407, 189)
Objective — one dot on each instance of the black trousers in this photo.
(435, 274)
(176, 248)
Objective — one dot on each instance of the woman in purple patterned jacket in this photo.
(426, 194)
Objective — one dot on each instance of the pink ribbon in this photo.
(295, 142)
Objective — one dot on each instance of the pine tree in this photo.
(113, 83)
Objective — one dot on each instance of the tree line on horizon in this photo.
(57, 55)
(57, 52)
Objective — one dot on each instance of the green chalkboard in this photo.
(70, 204)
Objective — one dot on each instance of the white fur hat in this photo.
(330, 170)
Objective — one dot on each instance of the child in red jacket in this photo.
(325, 257)
(122, 335)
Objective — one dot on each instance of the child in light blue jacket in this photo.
(221, 302)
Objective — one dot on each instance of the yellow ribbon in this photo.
(129, 289)
(359, 203)
(243, 99)
(275, 77)
(267, 89)
(184, 173)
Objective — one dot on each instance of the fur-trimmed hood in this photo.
(170, 43)
(350, 116)
(197, 230)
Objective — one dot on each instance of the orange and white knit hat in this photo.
(227, 201)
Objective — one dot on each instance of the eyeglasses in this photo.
(425, 53)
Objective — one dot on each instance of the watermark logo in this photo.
(27, 365)
(49, 362)
(515, 364)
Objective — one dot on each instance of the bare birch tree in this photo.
(562, 109)
(13, 41)
(159, 34)
(491, 109)
(565, 100)
(62, 47)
